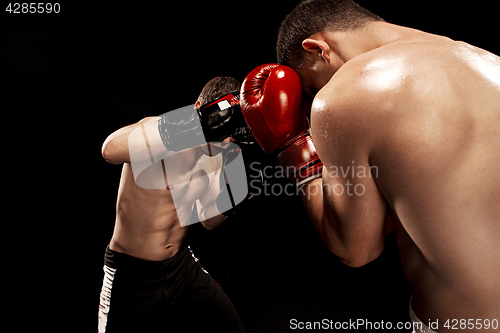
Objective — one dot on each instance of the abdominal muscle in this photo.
(148, 222)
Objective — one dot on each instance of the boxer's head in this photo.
(219, 109)
(217, 87)
(306, 38)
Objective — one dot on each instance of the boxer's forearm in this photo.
(322, 219)
(312, 197)
(340, 237)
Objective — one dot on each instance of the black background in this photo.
(70, 79)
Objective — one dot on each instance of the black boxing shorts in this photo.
(173, 295)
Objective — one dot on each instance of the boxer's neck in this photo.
(350, 44)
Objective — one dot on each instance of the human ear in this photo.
(197, 105)
(317, 47)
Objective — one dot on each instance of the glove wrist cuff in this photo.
(300, 153)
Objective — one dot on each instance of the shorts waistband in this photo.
(119, 260)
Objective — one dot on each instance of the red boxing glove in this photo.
(271, 102)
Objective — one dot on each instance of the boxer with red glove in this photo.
(271, 102)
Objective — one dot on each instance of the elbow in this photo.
(208, 226)
(356, 262)
(361, 258)
(108, 152)
(214, 222)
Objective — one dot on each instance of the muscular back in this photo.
(439, 171)
(432, 113)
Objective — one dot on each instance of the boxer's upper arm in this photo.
(353, 206)
(115, 148)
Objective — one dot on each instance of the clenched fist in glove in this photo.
(271, 102)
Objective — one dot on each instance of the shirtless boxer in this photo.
(423, 110)
(153, 282)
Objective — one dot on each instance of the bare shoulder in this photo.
(356, 97)
(400, 76)
(361, 83)
(381, 90)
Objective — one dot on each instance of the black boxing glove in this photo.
(220, 117)
(214, 121)
(181, 129)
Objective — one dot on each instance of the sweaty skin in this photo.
(148, 223)
(425, 111)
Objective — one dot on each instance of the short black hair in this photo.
(313, 16)
(218, 87)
